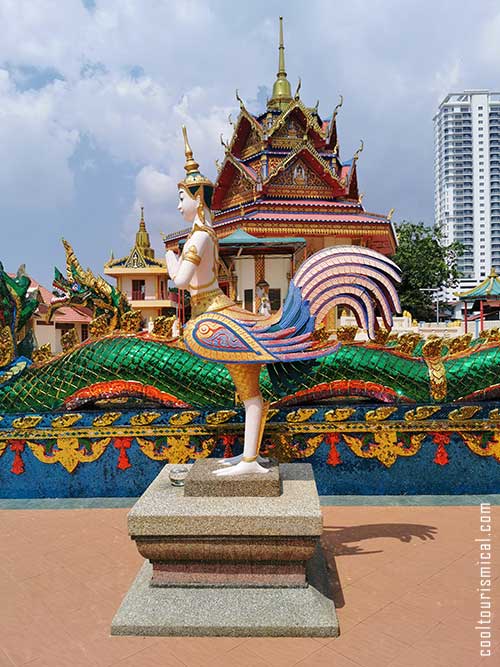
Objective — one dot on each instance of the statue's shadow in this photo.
(341, 541)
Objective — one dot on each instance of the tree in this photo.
(426, 263)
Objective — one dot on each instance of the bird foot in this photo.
(233, 460)
(242, 468)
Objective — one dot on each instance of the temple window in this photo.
(138, 290)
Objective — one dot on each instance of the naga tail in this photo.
(358, 278)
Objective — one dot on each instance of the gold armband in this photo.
(192, 256)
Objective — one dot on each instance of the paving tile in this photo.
(430, 654)
(405, 623)
(157, 655)
(281, 652)
(367, 645)
(204, 651)
(327, 657)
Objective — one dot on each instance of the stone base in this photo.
(221, 611)
(201, 481)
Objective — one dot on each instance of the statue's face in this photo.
(187, 205)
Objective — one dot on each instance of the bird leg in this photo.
(246, 379)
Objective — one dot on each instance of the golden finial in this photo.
(298, 89)
(390, 214)
(242, 106)
(230, 120)
(360, 150)
(191, 164)
(316, 106)
(282, 93)
(217, 164)
(142, 216)
(360, 198)
(223, 142)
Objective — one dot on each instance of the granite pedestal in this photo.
(220, 564)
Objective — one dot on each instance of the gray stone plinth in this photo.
(164, 510)
(201, 481)
(222, 611)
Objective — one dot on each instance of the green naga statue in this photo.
(16, 308)
(82, 288)
(125, 363)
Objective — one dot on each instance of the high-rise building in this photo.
(467, 179)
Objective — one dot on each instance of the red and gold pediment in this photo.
(247, 137)
(235, 185)
(293, 125)
(304, 175)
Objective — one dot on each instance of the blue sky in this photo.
(93, 94)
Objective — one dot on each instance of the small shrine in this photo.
(283, 176)
(142, 277)
(484, 297)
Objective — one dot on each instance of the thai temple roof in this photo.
(142, 254)
(489, 288)
(283, 175)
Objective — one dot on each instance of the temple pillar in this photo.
(260, 274)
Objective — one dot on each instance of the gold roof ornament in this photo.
(142, 240)
(282, 92)
(390, 214)
(195, 183)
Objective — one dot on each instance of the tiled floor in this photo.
(406, 580)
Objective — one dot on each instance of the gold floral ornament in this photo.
(66, 421)
(6, 346)
(494, 414)
(106, 419)
(272, 412)
(385, 446)
(162, 326)
(144, 418)
(380, 414)
(431, 351)
(421, 412)
(220, 417)
(183, 418)
(43, 354)
(346, 334)
(69, 453)
(301, 415)
(69, 340)
(3, 446)
(475, 442)
(408, 342)
(176, 450)
(287, 450)
(131, 321)
(339, 414)
(29, 421)
(459, 343)
(467, 412)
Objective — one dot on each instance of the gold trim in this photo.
(249, 459)
(192, 256)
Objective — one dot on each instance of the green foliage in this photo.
(426, 263)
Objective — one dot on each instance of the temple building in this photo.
(142, 277)
(282, 177)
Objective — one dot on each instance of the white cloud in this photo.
(36, 146)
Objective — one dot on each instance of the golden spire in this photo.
(282, 92)
(142, 238)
